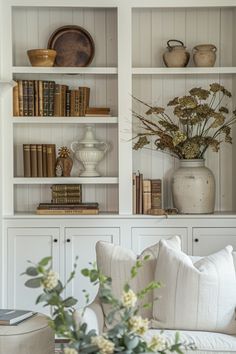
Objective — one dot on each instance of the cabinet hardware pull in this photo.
(196, 240)
(68, 240)
(55, 240)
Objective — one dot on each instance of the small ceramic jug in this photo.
(204, 55)
(176, 55)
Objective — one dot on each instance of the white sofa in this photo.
(205, 342)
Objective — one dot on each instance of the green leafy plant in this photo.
(199, 121)
(128, 328)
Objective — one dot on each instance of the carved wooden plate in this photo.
(74, 46)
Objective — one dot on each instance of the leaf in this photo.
(34, 283)
(32, 271)
(44, 262)
(126, 287)
(70, 301)
(131, 343)
(85, 272)
(43, 298)
(93, 275)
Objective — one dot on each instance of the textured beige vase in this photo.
(204, 55)
(193, 188)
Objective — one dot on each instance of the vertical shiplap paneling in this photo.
(192, 26)
(32, 28)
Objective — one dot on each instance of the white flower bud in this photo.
(157, 343)
(70, 351)
(138, 324)
(105, 346)
(51, 280)
(129, 299)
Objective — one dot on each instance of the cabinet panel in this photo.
(81, 242)
(210, 240)
(25, 244)
(147, 236)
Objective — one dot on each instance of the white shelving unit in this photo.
(66, 180)
(64, 70)
(65, 120)
(185, 71)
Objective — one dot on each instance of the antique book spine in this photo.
(20, 94)
(67, 211)
(25, 98)
(45, 98)
(36, 98)
(67, 200)
(68, 103)
(66, 187)
(156, 194)
(74, 103)
(27, 164)
(51, 160)
(33, 160)
(66, 194)
(51, 92)
(137, 194)
(64, 89)
(40, 98)
(97, 110)
(146, 195)
(44, 156)
(134, 193)
(141, 193)
(69, 206)
(30, 98)
(16, 111)
(40, 160)
(57, 100)
(84, 96)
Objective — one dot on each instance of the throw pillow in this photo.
(196, 296)
(116, 262)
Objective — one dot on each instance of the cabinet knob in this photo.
(55, 240)
(196, 240)
(68, 240)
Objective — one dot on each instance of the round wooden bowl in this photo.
(42, 57)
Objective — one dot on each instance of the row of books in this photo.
(66, 193)
(39, 160)
(147, 194)
(47, 98)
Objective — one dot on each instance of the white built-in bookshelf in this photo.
(130, 38)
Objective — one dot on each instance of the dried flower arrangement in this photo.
(200, 121)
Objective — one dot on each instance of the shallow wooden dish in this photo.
(74, 46)
(42, 57)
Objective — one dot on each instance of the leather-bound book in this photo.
(25, 98)
(40, 83)
(66, 187)
(20, 95)
(33, 160)
(68, 102)
(64, 89)
(57, 101)
(40, 160)
(74, 103)
(140, 193)
(16, 111)
(146, 195)
(51, 160)
(31, 98)
(156, 193)
(137, 194)
(45, 98)
(134, 193)
(36, 98)
(26, 157)
(84, 96)
(51, 93)
(44, 156)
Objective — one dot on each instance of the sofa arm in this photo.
(94, 316)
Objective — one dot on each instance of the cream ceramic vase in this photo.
(204, 55)
(193, 188)
(90, 152)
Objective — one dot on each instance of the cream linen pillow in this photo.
(199, 296)
(116, 262)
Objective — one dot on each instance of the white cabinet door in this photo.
(209, 240)
(81, 242)
(147, 236)
(25, 244)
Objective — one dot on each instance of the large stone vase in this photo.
(193, 188)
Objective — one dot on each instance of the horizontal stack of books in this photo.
(66, 193)
(67, 200)
(39, 160)
(47, 98)
(147, 194)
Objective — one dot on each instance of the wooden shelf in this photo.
(65, 120)
(65, 180)
(184, 71)
(64, 70)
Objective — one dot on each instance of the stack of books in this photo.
(47, 98)
(39, 160)
(13, 317)
(147, 194)
(68, 209)
(66, 193)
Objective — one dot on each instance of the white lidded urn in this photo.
(89, 151)
(193, 188)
